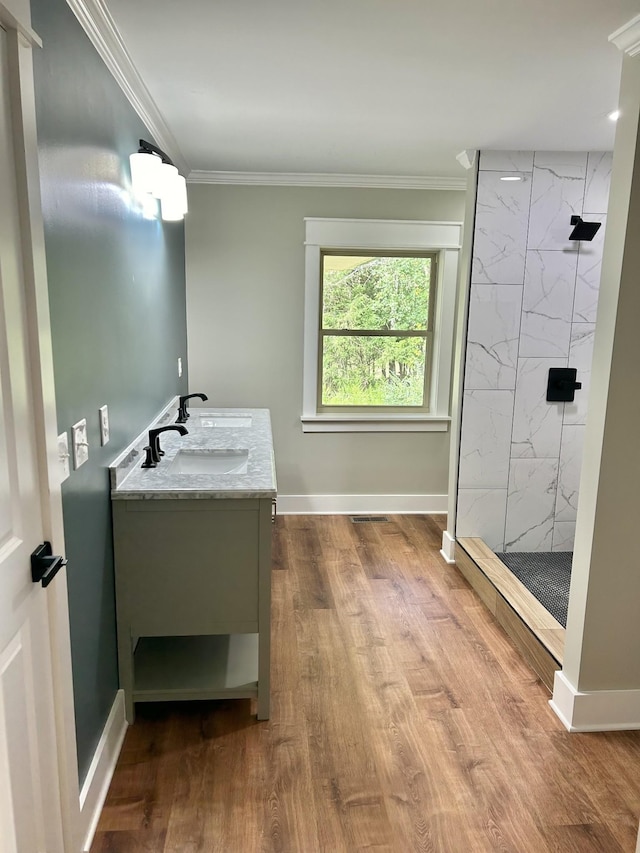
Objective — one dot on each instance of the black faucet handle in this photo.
(149, 460)
(154, 439)
(183, 413)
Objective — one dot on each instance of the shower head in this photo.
(583, 230)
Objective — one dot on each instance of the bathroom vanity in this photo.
(192, 541)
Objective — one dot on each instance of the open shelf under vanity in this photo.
(200, 667)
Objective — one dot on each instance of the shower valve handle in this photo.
(562, 385)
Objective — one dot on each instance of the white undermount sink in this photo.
(219, 420)
(210, 462)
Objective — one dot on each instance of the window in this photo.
(376, 331)
(379, 310)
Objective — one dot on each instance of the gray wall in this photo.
(245, 297)
(532, 306)
(116, 285)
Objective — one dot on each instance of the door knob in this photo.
(45, 565)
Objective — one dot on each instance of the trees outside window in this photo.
(376, 329)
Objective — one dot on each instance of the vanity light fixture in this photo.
(154, 175)
(511, 178)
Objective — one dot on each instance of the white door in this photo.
(30, 811)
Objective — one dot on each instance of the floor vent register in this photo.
(369, 519)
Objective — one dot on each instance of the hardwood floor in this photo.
(403, 719)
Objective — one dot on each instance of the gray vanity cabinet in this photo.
(193, 587)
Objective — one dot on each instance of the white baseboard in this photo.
(96, 785)
(361, 504)
(448, 550)
(596, 711)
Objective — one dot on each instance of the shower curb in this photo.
(514, 608)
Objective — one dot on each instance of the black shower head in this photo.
(583, 230)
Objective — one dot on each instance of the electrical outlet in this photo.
(104, 425)
(63, 455)
(80, 443)
(179, 368)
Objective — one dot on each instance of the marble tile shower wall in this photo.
(532, 306)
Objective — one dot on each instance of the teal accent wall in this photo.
(117, 298)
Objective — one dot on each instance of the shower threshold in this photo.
(538, 635)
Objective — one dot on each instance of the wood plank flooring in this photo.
(403, 719)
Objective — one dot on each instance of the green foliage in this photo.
(379, 294)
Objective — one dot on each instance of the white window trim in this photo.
(444, 239)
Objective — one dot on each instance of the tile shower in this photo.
(532, 306)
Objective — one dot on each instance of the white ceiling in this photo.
(378, 87)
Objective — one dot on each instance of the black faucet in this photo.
(183, 414)
(153, 452)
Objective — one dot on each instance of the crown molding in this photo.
(96, 21)
(627, 38)
(321, 179)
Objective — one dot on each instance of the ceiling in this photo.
(375, 87)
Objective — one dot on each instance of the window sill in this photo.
(375, 423)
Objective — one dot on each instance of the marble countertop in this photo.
(131, 482)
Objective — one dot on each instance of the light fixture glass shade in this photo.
(145, 170)
(174, 199)
(164, 183)
(181, 193)
(171, 209)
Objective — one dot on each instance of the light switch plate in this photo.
(104, 425)
(80, 443)
(179, 368)
(63, 455)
